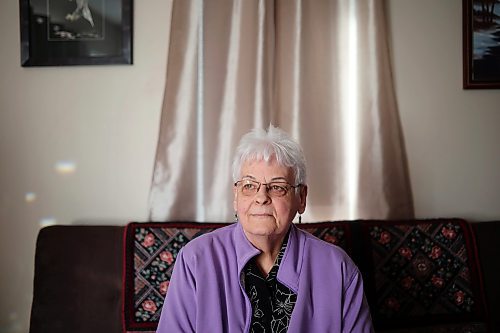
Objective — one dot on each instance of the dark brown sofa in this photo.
(79, 278)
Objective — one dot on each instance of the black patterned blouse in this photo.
(272, 302)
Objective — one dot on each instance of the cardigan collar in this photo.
(290, 266)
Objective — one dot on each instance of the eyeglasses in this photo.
(250, 187)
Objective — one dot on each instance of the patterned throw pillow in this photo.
(424, 274)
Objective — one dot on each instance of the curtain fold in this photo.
(318, 69)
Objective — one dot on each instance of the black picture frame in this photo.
(76, 32)
(481, 44)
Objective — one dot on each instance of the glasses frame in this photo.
(267, 186)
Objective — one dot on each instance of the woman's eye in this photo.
(248, 186)
(277, 188)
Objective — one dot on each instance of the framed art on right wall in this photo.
(481, 44)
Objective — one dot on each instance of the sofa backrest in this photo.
(416, 273)
(82, 283)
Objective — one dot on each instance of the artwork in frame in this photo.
(481, 44)
(75, 32)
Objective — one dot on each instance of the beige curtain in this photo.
(319, 69)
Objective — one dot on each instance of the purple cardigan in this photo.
(206, 293)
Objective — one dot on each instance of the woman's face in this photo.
(262, 214)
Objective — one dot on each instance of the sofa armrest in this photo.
(489, 251)
(78, 280)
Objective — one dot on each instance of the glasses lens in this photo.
(277, 189)
(249, 187)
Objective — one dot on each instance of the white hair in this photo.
(260, 144)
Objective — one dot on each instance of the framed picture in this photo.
(75, 32)
(481, 44)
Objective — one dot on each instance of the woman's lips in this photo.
(261, 214)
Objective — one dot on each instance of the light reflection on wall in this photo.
(30, 197)
(65, 167)
(47, 221)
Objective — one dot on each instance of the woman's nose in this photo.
(262, 196)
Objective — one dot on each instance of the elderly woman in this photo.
(262, 274)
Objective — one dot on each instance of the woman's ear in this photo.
(302, 199)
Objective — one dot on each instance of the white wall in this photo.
(105, 119)
(452, 135)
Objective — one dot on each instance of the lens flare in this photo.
(30, 197)
(65, 167)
